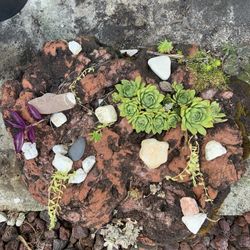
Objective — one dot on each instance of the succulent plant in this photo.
(216, 113)
(129, 108)
(142, 123)
(182, 96)
(127, 89)
(197, 117)
(150, 97)
(165, 46)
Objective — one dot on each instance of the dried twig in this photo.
(24, 242)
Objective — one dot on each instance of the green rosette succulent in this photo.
(216, 113)
(182, 96)
(159, 123)
(128, 109)
(197, 117)
(142, 123)
(172, 120)
(127, 89)
(150, 97)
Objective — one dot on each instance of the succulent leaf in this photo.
(34, 112)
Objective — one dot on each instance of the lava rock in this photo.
(77, 149)
(79, 232)
(59, 244)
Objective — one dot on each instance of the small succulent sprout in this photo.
(165, 46)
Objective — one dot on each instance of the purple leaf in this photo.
(34, 112)
(18, 119)
(31, 134)
(18, 141)
(13, 124)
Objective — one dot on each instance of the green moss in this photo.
(241, 111)
(206, 71)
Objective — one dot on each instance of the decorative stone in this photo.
(129, 52)
(75, 47)
(166, 86)
(58, 119)
(106, 114)
(51, 103)
(189, 206)
(153, 152)
(60, 149)
(20, 219)
(11, 221)
(194, 222)
(88, 163)
(214, 149)
(78, 177)
(62, 163)
(208, 94)
(3, 217)
(161, 66)
(29, 150)
(77, 149)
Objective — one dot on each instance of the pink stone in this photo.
(51, 103)
(208, 94)
(189, 206)
(227, 94)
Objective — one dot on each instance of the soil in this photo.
(106, 192)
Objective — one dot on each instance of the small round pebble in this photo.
(77, 149)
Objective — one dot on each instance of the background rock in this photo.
(122, 24)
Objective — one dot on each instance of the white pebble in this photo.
(60, 149)
(194, 222)
(75, 47)
(129, 52)
(153, 152)
(88, 163)
(78, 177)
(29, 150)
(58, 119)
(161, 66)
(62, 163)
(11, 221)
(106, 114)
(3, 217)
(213, 150)
(20, 219)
